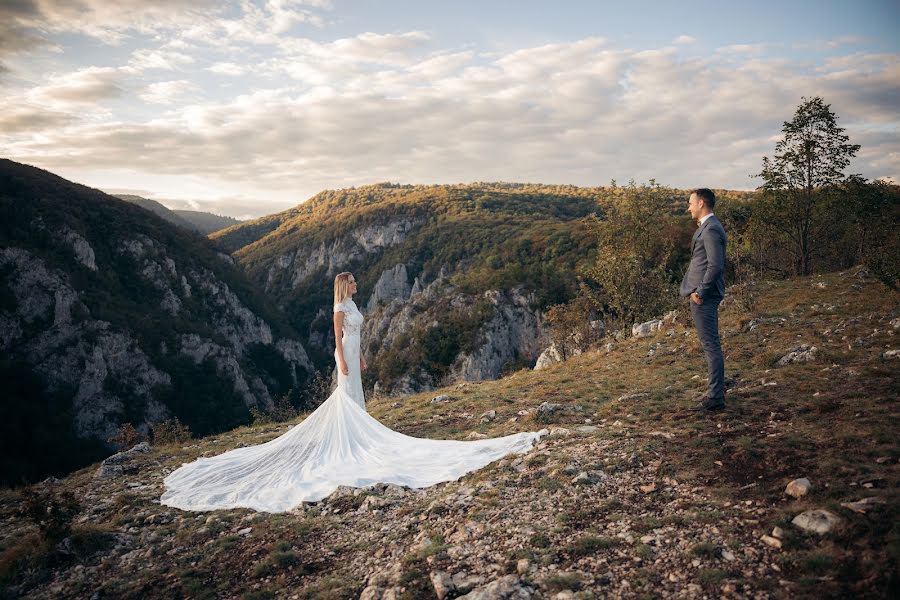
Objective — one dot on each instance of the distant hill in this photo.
(201, 222)
(158, 209)
(205, 222)
(109, 315)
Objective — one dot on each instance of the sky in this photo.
(248, 108)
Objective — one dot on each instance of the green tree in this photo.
(802, 183)
(636, 247)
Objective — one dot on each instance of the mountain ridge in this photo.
(201, 222)
(112, 315)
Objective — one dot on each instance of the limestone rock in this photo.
(635, 396)
(508, 587)
(865, 505)
(802, 353)
(548, 357)
(642, 330)
(817, 521)
(392, 284)
(442, 582)
(798, 487)
(117, 464)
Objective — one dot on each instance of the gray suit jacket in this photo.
(706, 273)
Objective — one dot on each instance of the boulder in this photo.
(817, 521)
(798, 487)
(800, 354)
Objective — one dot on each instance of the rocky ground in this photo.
(789, 492)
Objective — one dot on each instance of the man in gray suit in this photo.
(704, 283)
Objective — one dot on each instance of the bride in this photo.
(338, 444)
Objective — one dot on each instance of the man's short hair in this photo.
(707, 195)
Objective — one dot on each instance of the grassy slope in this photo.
(719, 479)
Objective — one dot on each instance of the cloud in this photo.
(31, 119)
(742, 49)
(389, 107)
(684, 39)
(144, 59)
(836, 42)
(228, 68)
(166, 92)
(84, 86)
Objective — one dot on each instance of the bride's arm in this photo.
(338, 345)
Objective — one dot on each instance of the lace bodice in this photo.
(353, 319)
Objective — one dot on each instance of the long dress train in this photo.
(338, 444)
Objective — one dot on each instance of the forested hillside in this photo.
(111, 315)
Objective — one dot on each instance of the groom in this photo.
(704, 283)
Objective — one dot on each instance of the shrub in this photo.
(170, 432)
(637, 258)
(126, 437)
(51, 511)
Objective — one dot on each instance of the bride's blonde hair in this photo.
(341, 287)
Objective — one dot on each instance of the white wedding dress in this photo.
(338, 444)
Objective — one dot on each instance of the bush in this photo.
(572, 325)
(281, 411)
(51, 511)
(170, 432)
(126, 437)
(638, 259)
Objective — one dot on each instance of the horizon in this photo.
(247, 109)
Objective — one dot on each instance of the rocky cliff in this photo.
(110, 315)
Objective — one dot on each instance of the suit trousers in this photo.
(706, 319)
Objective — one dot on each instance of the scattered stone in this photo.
(648, 489)
(474, 435)
(508, 587)
(548, 408)
(245, 531)
(802, 353)
(587, 428)
(441, 398)
(523, 566)
(548, 357)
(635, 396)
(891, 353)
(647, 329)
(489, 416)
(116, 465)
(817, 521)
(778, 532)
(559, 431)
(864, 505)
(582, 479)
(771, 541)
(798, 487)
(443, 584)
